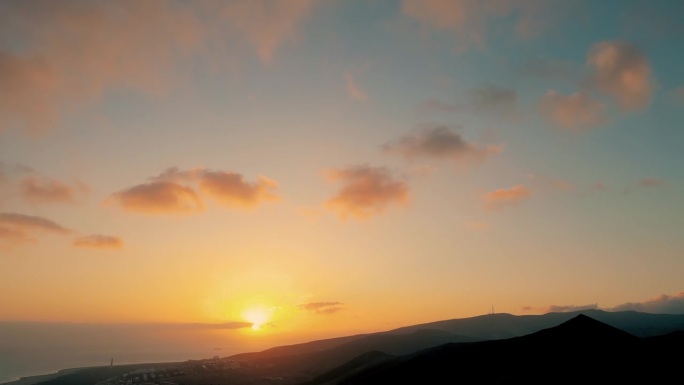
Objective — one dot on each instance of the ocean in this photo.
(28, 349)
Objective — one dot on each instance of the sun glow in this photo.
(258, 316)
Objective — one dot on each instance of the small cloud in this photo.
(576, 112)
(322, 307)
(366, 191)
(353, 90)
(98, 241)
(494, 99)
(437, 142)
(506, 196)
(643, 183)
(158, 197)
(40, 190)
(650, 182)
(622, 71)
(662, 304)
(233, 190)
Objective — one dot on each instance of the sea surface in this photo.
(28, 349)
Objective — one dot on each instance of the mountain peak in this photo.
(583, 328)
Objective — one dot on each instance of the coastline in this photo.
(32, 380)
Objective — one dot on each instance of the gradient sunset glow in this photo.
(302, 169)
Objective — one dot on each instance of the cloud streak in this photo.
(42, 190)
(506, 197)
(98, 241)
(353, 90)
(20, 228)
(322, 307)
(366, 191)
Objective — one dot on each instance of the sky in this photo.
(327, 167)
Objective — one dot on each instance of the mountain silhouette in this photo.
(323, 360)
(580, 350)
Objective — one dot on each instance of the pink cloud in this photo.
(622, 71)
(98, 241)
(233, 190)
(181, 191)
(575, 112)
(366, 191)
(158, 197)
(353, 90)
(506, 196)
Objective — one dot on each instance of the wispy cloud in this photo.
(20, 228)
(265, 24)
(623, 71)
(366, 191)
(322, 307)
(643, 183)
(353, 89)
(70, 52)
(438, 142)
(467, 20)
(650, 182)
(44, 190)
(98, 241)
(506, 196)
(576, 112)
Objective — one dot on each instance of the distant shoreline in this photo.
(31, 380)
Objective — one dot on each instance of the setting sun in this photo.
(257, 315)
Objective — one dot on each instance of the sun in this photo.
(257, 316)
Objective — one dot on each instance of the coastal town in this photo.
(213, 371)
